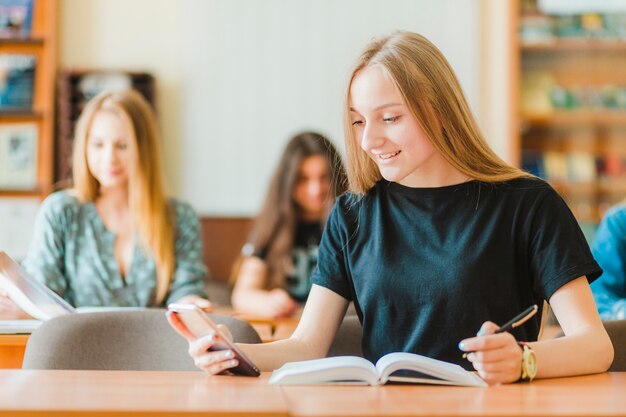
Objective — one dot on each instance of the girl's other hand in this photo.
(280, 304)
(202, 303)
(496, 357)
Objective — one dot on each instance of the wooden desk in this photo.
(124, 393)
(594, 395)
(132, 393)
(12, 350)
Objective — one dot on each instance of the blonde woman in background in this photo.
(115, 239)
(439, 239)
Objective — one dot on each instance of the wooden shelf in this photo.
(577, 118)
(585, 134)
(600, 186)
(41, 43)
(576, 45)
(21, 41)
(22, 115)
(35, 193)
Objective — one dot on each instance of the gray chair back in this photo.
(348, 339)
(617, 332)
(118, 340)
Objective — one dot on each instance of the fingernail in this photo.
(234, 362)
(481, 333)
(461, 346)
(228, 354)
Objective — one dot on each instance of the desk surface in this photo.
(122, 393)
(594, 395)
(133, 393)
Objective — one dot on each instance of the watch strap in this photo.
(527, 375)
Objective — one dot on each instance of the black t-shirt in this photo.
(304, 257)
(427, 266)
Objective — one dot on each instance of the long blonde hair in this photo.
(434, 97)
(150, 213)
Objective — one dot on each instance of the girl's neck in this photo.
(435, 172)
(309, 217)
(112, 206)
(116, 197)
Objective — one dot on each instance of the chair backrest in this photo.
(118, 340)
(348, 339)
(617, 332)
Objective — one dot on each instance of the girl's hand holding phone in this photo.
(210, 346)
(212, 362)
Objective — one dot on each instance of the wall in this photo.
(141, 35)
(255, 72)
(496, 77)
(235, 78)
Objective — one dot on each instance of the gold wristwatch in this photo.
(529, 363)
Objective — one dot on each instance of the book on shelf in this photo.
(535, 94)
(17, 79)
(581, 167)
(397, 367)
(15, 18)
(575, 167)
(18, 156)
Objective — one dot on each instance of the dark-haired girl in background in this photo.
(272, 276)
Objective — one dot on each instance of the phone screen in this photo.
(201, 325)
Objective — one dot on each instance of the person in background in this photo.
(438, 240)
(273, 275)
(609, 248)
(115, 239)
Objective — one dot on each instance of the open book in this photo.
(30, 295)
(36, 299)
(393, 367)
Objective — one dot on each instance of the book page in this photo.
(30, 295)
(442, 372)
(338, 370)
(18, 326)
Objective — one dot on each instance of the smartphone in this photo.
(200, 325)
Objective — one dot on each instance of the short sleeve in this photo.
(189, 272)
(609, 249)
(331, 271)
(45, 260)
(559, 252)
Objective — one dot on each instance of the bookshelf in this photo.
(27, 132)
(569, 107)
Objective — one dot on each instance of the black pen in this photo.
(516, 321)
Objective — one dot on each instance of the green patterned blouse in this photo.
(72, 253)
